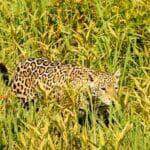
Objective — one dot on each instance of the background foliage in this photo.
(103, 35)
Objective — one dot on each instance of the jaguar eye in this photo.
(103, 88)
(116, 88)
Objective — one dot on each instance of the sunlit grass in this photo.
(104, 35)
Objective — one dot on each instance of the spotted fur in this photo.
(55, 77)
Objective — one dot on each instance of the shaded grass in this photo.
(105, 35)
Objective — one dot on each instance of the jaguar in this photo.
(54, 78)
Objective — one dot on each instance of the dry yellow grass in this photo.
(106, 35)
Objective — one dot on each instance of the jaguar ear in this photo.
(117, 74)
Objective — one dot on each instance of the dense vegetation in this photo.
(99, 34)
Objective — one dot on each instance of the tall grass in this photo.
(103, 35)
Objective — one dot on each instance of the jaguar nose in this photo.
(107, 102)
